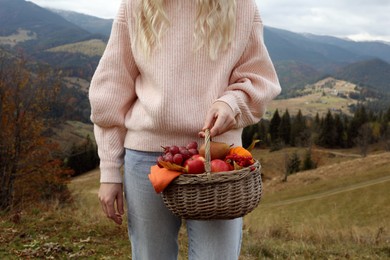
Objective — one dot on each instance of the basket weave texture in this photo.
(222, 195)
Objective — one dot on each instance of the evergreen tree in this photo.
(285, 128)
(361, 115)
(339, 131)
(249, 133)
(263, 133)
(308, 162)
(84, 157)
(294, 163)
(387, 115)
(364, 138)
(274, 127)
(291, 163)
(384, 122)
(360, 118)
(327, 136)
(317, 121)
(297, 128)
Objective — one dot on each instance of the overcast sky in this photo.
(354, 19)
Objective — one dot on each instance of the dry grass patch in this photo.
(350, 224)
(90, 48)
(20, 36)
(326, 94)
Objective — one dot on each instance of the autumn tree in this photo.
(25, 99)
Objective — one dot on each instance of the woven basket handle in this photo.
(207, 140)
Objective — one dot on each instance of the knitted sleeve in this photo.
(111, 95)
(253, 82)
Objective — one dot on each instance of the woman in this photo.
(172, 69)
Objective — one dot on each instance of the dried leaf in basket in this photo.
(252, 145)
(171, 166)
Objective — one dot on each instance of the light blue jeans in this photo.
(153, 229)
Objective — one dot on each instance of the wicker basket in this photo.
(222, 195)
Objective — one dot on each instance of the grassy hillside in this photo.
(90, 48)
(50, 29)
(79, 83)
(293, 74)
(71, 133)
(338, 211)
(20, 36)
(324, 95)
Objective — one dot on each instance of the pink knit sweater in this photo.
(145, 103)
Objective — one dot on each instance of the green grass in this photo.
(351, 224)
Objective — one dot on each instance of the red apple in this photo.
(196, 156)
(194, 165)
(218, 165)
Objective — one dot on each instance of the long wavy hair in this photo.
(214, 25)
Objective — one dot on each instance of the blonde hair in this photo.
(214, 25)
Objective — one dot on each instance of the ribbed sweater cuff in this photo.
(110, 173)
(231, 101)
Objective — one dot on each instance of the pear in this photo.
(218, 150)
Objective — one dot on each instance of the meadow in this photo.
(327, 94)
(89, 48)
(341, 210)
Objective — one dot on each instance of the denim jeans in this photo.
(153, 229)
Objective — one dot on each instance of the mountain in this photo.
(365, 48)
(50, 29)
(284, 45)
(322, 53)
(295, 74)
(38, 31)
(321, 50)
(373, 73)
(74, 43)
(89, 23)
(303, 58)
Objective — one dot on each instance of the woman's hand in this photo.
(111, 195)
(219, 119)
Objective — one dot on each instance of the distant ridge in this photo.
(52, 30)
(374, 73)
(89, 23)
(299, 59)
